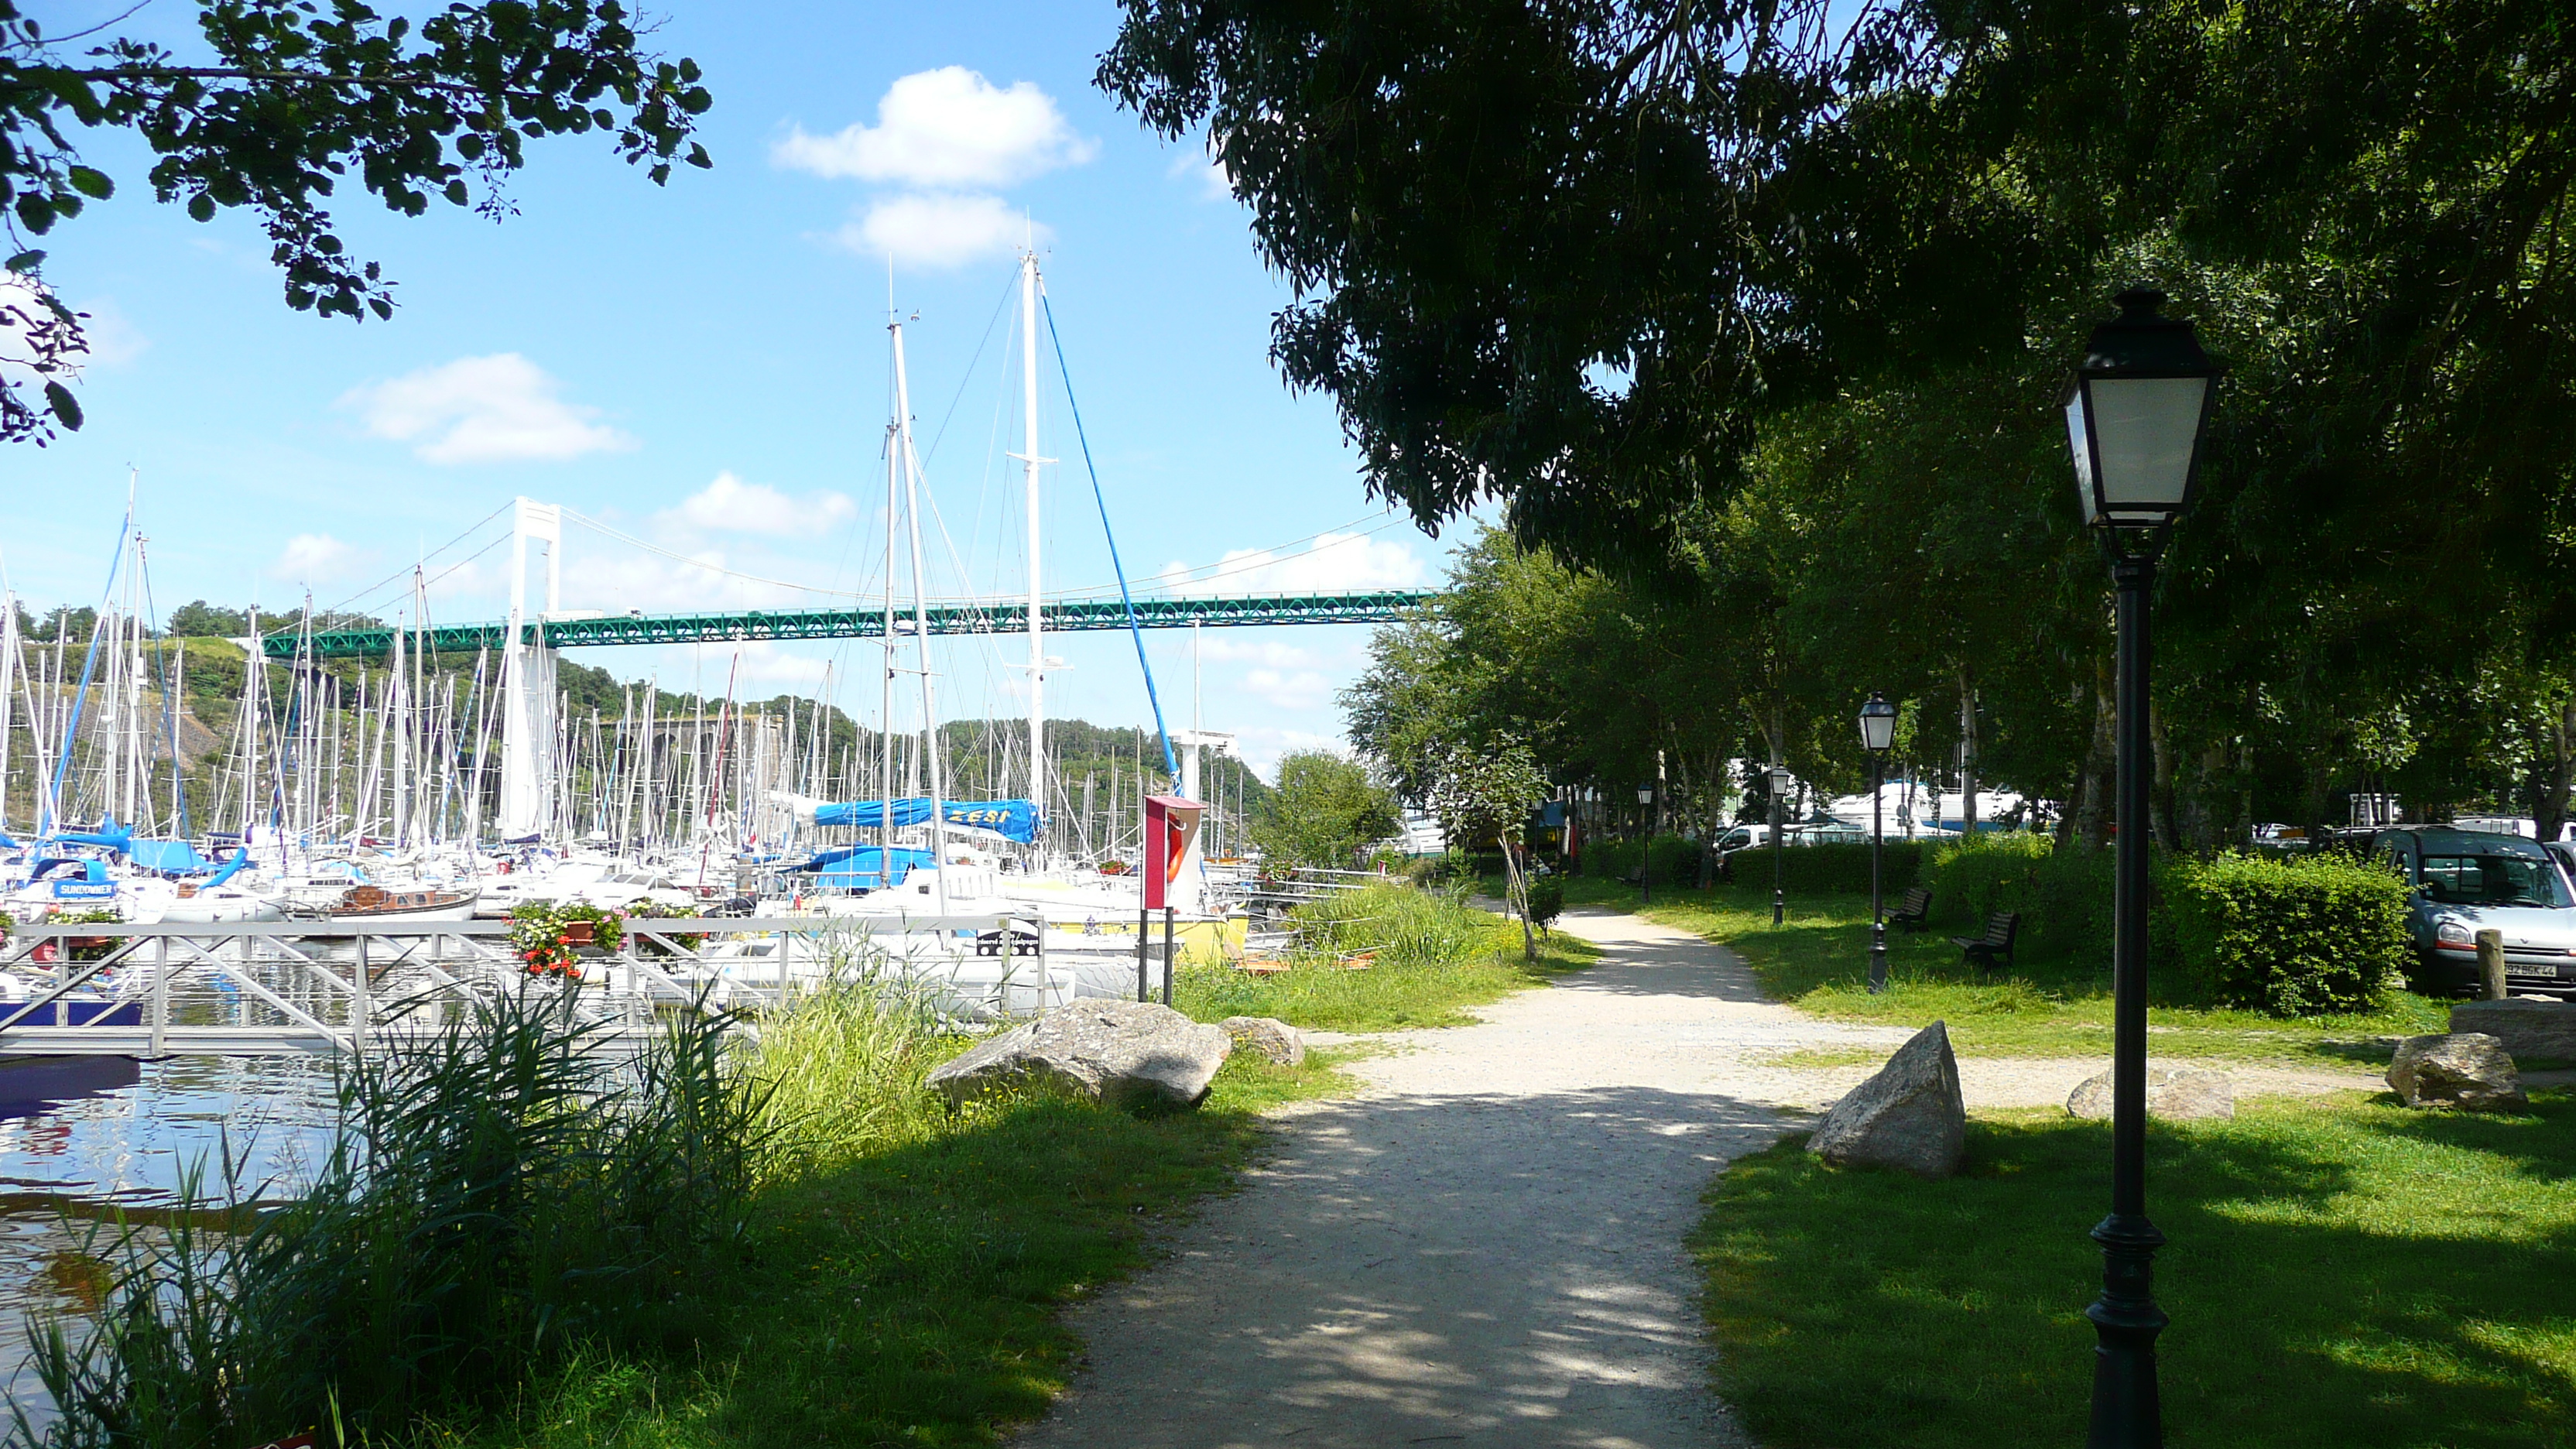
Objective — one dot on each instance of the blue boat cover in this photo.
(1012, 819)
(861, 867)
(169, 857)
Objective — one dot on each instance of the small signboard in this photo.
(1172, 867)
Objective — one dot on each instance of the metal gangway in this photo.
(270, 987)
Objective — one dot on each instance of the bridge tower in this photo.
(528, 696)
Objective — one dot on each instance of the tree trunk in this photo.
(1967, 755)
(2093, 829)
(2161, 804)
(1518, 889)
(2312, 805)
(2551, 768)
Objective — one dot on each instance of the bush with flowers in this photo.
(542, 935)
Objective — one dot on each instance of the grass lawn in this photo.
(2342, 1272)
(1819, 960)
(913, 1295)
(1393, 995)
(1441, 960)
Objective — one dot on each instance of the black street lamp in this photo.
(1877, 732)
(2135, 418)
(1779, 778)
(1646, 871)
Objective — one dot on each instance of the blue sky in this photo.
(702, 368)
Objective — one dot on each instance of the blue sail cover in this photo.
(862, 867)
(168, 857)
(1013, 819)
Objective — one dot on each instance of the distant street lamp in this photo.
(1877, 732)
(1779, 778)
(2135, 419)
(1646, 871)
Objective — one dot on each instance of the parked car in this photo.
(2461, 882)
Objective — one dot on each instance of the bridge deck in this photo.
(998, 617)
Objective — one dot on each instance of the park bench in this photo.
(1914, 910)
(1996, 944)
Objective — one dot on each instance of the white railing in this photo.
(261, 987)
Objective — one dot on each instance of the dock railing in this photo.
(259, 987)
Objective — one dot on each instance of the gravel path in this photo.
(1485, 1247)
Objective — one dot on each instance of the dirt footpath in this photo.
(1485, 1248)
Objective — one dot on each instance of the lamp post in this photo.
(1646, 870)
(1877, 732)
(2135, 417)
(1779, 778)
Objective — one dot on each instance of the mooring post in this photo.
(1167, 955)
(358, 1002)
(1144, 919)
(160, 992)
(2491, 964)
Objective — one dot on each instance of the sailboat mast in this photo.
(1037, 630)
(885, 715)
(930, 741)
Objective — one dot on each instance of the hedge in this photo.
(2294, 937)
(1838, 866)
(1676, 859)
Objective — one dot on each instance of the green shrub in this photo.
(2299, 937)
(1972, 879)
(2064, 896)
(1838, 866)
(1676, 859)
(1546, 899)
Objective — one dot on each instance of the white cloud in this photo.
(732, 506)
(1261, 747)
(108, 340)
(945, 129)
(314, 558)
(1332, 563)
(1214, 182)
(482, 410)
(1303, 689)
(1221, 650)
(939, 231)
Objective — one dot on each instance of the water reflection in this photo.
(81, 1139)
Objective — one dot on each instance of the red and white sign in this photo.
(1173, 870)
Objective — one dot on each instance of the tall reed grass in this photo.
(502, 1189)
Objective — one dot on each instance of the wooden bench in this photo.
(1914, 910)
(1996, 944)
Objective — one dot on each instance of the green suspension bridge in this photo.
(1381, 606)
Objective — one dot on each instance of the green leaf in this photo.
(36, 214)
(26, 261)
(66, 408)
(92, 184)
(201, 207)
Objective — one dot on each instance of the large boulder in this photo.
(2175, 1093)
(1268, 1035)
(1120, 1053)
(1909, 1115)
(2466, 1069)
(2529, 1029)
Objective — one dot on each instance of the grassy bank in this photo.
(911, 1291)
(1434, 957)
(2340, 1273)
(2043, 1007)
(526, 1240)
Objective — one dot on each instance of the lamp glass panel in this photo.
(2083, 449)
(1877, 731)
(2144, 432)
(1645, 796)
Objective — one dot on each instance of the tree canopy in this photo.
(1754, 317)
(1323, 811)
(286, 101)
